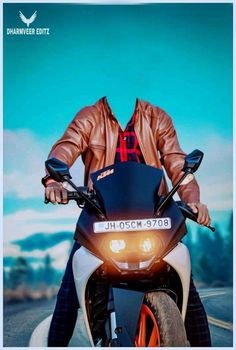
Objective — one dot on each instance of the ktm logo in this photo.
(105, 173)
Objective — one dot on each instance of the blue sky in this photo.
(177, 56)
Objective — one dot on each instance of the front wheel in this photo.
(160, 323)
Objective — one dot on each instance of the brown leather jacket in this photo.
(93, 134)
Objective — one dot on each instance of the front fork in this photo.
(112, 318)
(124, 307)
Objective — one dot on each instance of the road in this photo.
(219, 307)
(21, 319)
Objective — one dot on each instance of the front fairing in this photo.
(128, 191)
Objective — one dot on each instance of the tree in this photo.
(228, 253)
(202, 270)
(5, 279)
(48, 270)
(19, 272)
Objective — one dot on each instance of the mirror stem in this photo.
(171, 193)
(101, 214)
(67, 179)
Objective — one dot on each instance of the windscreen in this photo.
(126, 190)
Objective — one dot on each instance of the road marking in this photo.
(215, 321)
(220, 323)
(212, 294)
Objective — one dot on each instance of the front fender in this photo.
(179, 259)
(84, 264)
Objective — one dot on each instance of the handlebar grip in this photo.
(70, 196)
(73, 195)
(187, 212)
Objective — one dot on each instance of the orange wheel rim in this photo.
(147, 333)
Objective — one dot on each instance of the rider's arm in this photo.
(67, 149)
(73, 142)
(172, 158)
(75, 139)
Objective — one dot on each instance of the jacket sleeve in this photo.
(74, 140)
(172, 158)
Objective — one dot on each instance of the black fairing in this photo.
(129, 191)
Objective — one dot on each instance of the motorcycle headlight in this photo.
(117, 245)
(147, 245)
(132, 249)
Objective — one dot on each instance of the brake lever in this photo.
(187, 212)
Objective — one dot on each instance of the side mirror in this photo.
(193, 160)
(57, 169)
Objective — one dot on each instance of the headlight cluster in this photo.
(132, 249)
(146, 245)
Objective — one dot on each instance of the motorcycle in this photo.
(132, 272)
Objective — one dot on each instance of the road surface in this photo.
(219, 307)
(21, 319)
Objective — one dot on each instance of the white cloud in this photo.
(215, 175)
(11, 249)
(24, 223)
(58, 253)
(24, 157)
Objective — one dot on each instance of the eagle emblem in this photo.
(28, 21)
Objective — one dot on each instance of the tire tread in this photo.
(169, 320)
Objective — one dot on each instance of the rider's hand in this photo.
(56, 193)
(203, 217)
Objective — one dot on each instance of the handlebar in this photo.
(82, 194)
(71, 195)
(188, 213)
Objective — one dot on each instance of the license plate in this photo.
(132, 225)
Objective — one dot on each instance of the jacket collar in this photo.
(104, 103)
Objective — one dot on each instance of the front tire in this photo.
(160, 323)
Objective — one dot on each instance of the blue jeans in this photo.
(65, 313)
